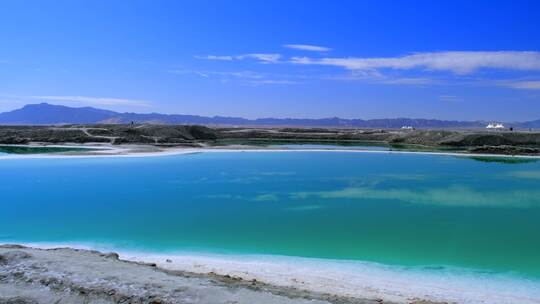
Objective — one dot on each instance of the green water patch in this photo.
(39, 150)
(503, 160)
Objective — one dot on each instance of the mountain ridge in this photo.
(49, 114)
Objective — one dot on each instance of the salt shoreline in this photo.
(347, 281)
(152, 151)
(33, 275)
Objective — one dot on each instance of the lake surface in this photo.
(427, 212)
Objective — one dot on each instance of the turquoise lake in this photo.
(415, 210)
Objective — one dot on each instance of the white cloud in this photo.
(99, 101)
(376, 77)
(202, 74)
(524, 85)
(241, 74)
(242, 77)
(307, 47)
(235, 74)
(273, 81)
(214, 57)
(9, 103)
(265, 58)
(410, 81)
(381, 69)
(449, 98)
(262, 57)
(457, 62)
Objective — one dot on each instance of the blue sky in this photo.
(462, 60)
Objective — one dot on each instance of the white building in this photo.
(496, 126)
(407, 128)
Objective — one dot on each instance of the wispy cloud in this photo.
(202, 74)
(523, 85)
(8, 103)
(98, 101)
(273, 81)
(235, 74)
(265, 58)
(449, 98)
(410, 81)
(416, 69)
(307, 47)
(457, 62)
(261, 57)
(242, 77)
(378, 78)
(214, 57)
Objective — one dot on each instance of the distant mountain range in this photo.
(47, 114)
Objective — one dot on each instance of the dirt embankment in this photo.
(473, 140)
(497, 142)
(113, 134)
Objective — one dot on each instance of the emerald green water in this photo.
(399, 209)
(10, 149)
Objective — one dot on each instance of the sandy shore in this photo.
(66, 275)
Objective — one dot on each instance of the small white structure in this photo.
(496, 126)
(407, 128)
